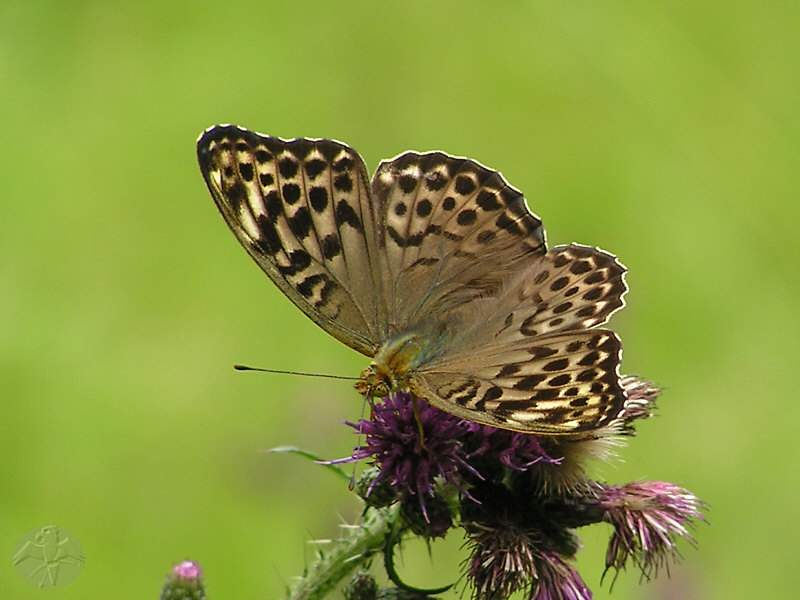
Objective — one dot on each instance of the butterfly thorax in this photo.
(393, 366)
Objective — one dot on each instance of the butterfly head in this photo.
(375, 382)
(392, 367)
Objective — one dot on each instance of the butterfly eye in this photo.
(381, 390)
(373, 384)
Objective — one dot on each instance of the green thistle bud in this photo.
(375, 492)
(185, 582)
(431, 520)
(362, 586)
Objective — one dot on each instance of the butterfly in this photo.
(437, 270)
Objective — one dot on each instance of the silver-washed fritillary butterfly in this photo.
(437, 270)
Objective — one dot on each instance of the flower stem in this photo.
(348, 553)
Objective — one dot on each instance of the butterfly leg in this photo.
(418, 418)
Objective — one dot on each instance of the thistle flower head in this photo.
(502, 561)
(185, 582)
(648, 518)
(414, 462)
(558, 580)
(640, 401)
(188, 569)
(520, 497)
(500, 448)
(507, 559)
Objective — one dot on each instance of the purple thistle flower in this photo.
(519, 506)
(511, 449)
(507, 559)
(648, 518)
(639, 403)
(188, 569)
(558, 580)
(185, 582)
(502, 561)
(393, 443)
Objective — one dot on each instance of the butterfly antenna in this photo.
(246, 368)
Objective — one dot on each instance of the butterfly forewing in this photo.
(453, 231)
(302, 210)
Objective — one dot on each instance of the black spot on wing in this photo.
(331, 247)
(539, 352)
(580, 266)
(488, 201)
(466, 217)
(274, 206)
(236, 195)
(407, 183)
(301, 148)
(559, 380)
(246, 171)
(593, 294)
(346, 215)
(590, 359)
(306, 287)
(318, 198)
(343, 164)
(287, 167)
(530, 382)
(508, 224)
(595, 277)
(562, 307)
(300, 261)
(558, 364)
(268, 242)
(343, 182)
(291, 193)
(300, 223)
(314, 167)
(424, 208)
(493, 393)
(464, 185)
(546, 394)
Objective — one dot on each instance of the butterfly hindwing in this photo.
(571, 287)
(527, 358)
(562, 384)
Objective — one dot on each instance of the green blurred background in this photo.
(667, 133)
